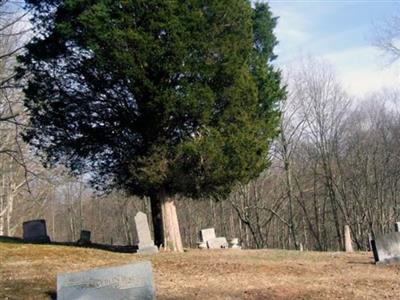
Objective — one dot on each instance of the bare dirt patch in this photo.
(29, 272)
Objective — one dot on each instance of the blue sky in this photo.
(341, 32)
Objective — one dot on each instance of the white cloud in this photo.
(360, 67)
(362, 70)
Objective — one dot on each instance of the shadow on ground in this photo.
(105, 247)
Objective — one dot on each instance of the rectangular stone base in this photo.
(147, 250)
(37, 240)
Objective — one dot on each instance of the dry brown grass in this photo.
(29, 272)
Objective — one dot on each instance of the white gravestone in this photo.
(207, 234)
(347, 239)
(133, 281)
(146, 244)
(217, 243)
(235, 244)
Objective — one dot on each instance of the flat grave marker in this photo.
(133, 282)
(218, 243)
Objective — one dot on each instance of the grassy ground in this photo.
(29, 272)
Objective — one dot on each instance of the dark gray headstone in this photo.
(35, 231)
(387, 247)
(84, 238)
(146, 244)
(133, 281)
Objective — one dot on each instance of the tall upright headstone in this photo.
(146, 244)
(133, 281)
(347, 239)
(35, 231)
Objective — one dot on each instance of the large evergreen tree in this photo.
(155, 97)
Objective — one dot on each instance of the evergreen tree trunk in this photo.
(165, 222)
(156, 214)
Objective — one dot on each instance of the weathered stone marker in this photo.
(207, 234)
(347, 239)
(235, 243)
(133, 281)
(84, 238)
(301, 248)
(217, 243)
(387, 248)
(146, 244)
(35, 231)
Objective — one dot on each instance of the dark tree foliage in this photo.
(178, 95)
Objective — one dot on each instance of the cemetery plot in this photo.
(30, 272)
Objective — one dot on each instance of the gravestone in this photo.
(133, 281)
(397, 226)
(217, 243)
(207, 234)
(84, 238)
(348, 244)
(146, 244)
(387, 248)
(235, 244)
(35, 231)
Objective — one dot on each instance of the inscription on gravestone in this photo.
(133, 282)
(34, 231)
(146, 244)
